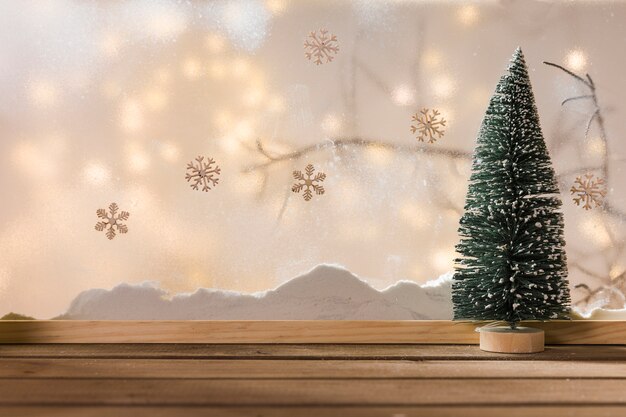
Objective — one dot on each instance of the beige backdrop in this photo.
(108, 101)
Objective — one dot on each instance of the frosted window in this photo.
(106, 102)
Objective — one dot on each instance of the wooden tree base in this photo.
(506, 340)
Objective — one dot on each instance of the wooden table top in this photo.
(308, 380)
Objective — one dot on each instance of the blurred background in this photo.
(108, 101)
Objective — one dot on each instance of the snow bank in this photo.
(327, 292)
(600, 314)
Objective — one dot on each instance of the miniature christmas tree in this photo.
(513, 264)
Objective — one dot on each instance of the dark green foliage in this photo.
(512, 264)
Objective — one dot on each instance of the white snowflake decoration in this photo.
(428, 125)
(202, 173)
(112, 221)
(320, 47)
(308, 182)
(588, 190)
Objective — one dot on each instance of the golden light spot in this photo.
(443, 260)
(276, 104)
(43, 93)
(192, 68)
(276, 7)
(254, 96)
(594, 229)
(162, 24)
(416, 271)
(431, 58)
(443, 86)
(240, 67)
(596, 146)
(217, 70)
(96, 173)
(468, 14)
(41, 158)
(243, 130)
(331, 124)
(256, 78)
(617, 270)
(403, 95)
(223, 119)
(379, 156)
(155, 99)
(576, 60)
(29, 160)
(169, 152)
(137, 158)
(230, 144)
(446, 113)
(197, 278)
(131, 115)
(138, 161)
(416, 215)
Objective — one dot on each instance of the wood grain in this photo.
(290, 411)
(308, 380)
(303, 352)
(311, 392)
(506, 340)
(317, 331)
(277, 369)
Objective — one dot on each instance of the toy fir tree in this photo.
(512, 264)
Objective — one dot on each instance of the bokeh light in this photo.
(403, 95)
(576, 60)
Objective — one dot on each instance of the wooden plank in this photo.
(419, 411)
(236, 332)
(301, 352)
(276, 369)
(302, 331)
(312, 392)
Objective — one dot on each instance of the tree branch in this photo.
(576, 98)
(578, 77)
(607, 209)
(358, 142)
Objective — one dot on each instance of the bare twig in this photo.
(591, 119)
(606, 207)
(578, 77)
(614, 287)
(576, 98)
(340, 143)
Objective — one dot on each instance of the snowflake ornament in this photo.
(202, 173)
(428, 125)
(320, 47)
(588, 190)
(308, 182)
(111, 221)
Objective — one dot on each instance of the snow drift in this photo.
(327, 292)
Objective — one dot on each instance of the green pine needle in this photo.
(513, 264)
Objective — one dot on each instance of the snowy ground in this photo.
(327, 292)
